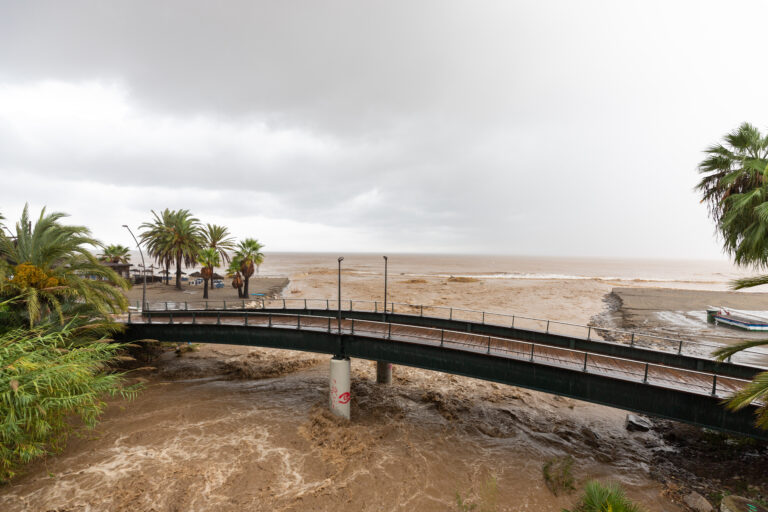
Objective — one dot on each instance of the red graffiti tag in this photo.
(344, 398)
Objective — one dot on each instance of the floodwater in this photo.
(214, 443)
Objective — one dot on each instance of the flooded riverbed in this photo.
(221, 443)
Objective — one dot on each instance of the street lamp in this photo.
(385, 288)
(143, 270)
(341, 258)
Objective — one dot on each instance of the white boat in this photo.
(735, 318)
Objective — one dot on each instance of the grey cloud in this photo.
(510, 126)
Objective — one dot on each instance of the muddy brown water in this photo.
(215, 442)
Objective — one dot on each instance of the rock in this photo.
(739, 504)
(590, 438)
(637, 424)
(697, 502)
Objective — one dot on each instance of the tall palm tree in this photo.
(55, 274)
(209, 258)
(115, 254)
(174, 236)
(186, 241)
(735, 187)
(219, 238)
(233, 271)
(249, 254)
(156, 237)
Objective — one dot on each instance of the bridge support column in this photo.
(340, 390)
(383, 372)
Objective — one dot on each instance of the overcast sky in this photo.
(567, 127)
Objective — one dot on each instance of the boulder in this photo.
(697, 502)
(590, 438)
(739, 504)
(636, 423)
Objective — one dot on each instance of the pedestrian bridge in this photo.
(674, 384)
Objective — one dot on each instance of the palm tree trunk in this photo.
(240, 292)
(205, 289)
(178, 271)
(245, 291)
(167, 273)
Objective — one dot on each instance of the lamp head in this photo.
(341, 258)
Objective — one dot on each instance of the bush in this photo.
(600, 497)
(45, 380)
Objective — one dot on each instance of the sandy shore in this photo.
(640, 305)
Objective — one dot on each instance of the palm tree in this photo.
(249, 254)
(156, 237)
(208, 258)
(186, 241)
(237, 280)
(55, 274)
(735, 188)
(219, 238)
(176, 236)
(115, 254)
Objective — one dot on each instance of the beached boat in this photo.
(738, 319)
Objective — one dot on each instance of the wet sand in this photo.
(228, 428)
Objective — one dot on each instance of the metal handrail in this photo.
(582, 355)
(635, 337)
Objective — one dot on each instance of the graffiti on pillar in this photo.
(334, 393)
(344, 398)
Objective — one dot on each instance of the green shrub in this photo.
(599, 497)
(47, 379)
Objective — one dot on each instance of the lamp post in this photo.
(341, 258)
(384, 368)
(143, 270)
(385, 288)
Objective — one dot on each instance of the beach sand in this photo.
(640, 306)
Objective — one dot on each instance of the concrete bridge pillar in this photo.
(383, 372)
(340, 389)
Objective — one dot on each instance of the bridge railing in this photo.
(703, 383)
(677, 344)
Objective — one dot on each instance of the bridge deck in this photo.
(649, 354)
(705, 383)
(671, 349)
(665, 391)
